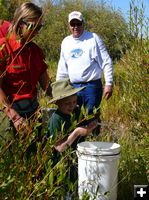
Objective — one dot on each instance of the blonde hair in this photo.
(27, 11)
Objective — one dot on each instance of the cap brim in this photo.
(74, 91)
(75, 18)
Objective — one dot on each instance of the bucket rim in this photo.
(98, 148)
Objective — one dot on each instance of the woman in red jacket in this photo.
(22, 66)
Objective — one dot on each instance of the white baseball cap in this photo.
(75, 15)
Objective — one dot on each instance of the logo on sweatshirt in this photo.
(76, 53)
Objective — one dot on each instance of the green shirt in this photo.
(60, 125)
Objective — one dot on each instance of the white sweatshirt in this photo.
(83, 59)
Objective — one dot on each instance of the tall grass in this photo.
(124, 120)
(127, 115)
(127, 111)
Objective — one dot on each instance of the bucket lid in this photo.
(98, 148)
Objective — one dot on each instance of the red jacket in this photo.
(4, 26)
(22, 67)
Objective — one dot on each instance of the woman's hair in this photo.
(27, 11)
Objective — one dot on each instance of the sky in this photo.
(123, 6)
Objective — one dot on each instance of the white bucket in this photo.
(98, 169)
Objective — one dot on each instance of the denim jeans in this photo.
(91, 96)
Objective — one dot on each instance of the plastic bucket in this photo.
(98, 169)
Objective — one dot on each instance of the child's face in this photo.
(68, 104)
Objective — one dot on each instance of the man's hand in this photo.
(107, 91)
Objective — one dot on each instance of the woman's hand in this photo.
(19, 123)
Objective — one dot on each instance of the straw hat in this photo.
(62, 89)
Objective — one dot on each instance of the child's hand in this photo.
(84, 131)
(61, 147)
(79, 131)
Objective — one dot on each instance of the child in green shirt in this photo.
(63, 125)
(61, 121)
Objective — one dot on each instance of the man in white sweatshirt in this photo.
(83, 58)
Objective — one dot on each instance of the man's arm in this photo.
(105, 61)
(62, 70)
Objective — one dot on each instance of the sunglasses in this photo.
(73, 24)
(32, 26)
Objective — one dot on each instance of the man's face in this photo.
(76, 27)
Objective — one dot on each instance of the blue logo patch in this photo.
(76, 53)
